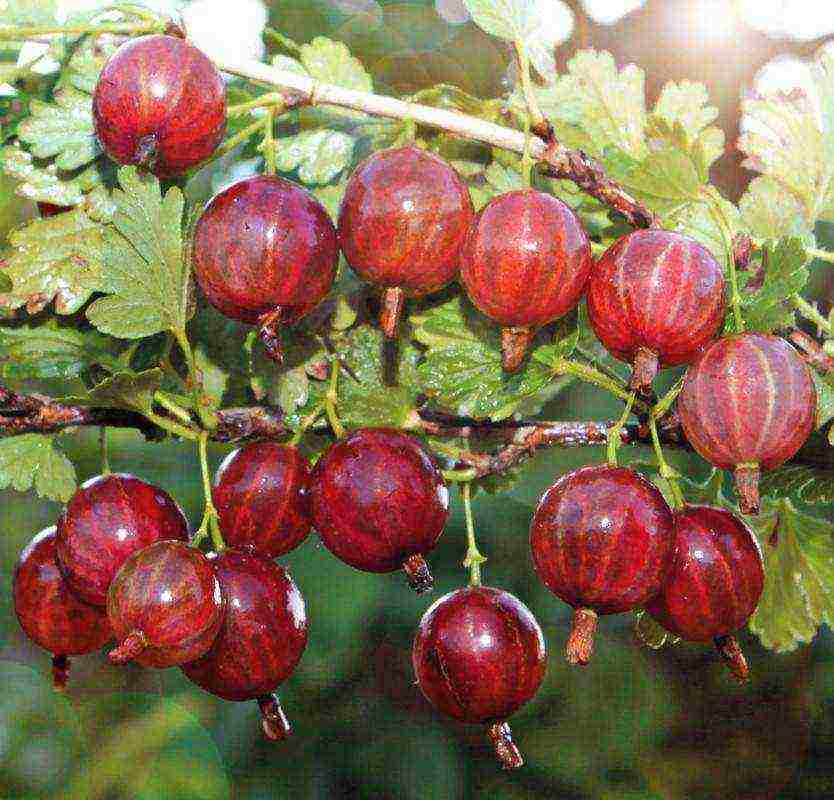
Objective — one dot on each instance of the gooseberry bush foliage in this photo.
(100, 305)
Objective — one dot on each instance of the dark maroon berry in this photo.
(160, 103)
(526, 262)
(265, 253)
(49, 613)
(165, 606)
(403, 219)
(715, 583)
(602, 540)
(262, 493)
(748, 404)
(51, 210)
(262, 638)
(107, 520)
(656, 299)
(479, 656)
(380, 503)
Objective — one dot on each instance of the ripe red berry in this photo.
(479, 655)
(49, 613)
(261, 640)
(165, 606)
(714, 584)
(656, 299)
(51, 210)
(107, 520)
(748, 404)
(602, 541)
(160, 103)
(403, 219)
(525, 262)
(262, 494)
(380, 503)
(265, 253)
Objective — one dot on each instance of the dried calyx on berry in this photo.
(265, 253)
(602, 541)
(748, 404)
(403, 219)
(479, 655)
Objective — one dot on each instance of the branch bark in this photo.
(556, 160)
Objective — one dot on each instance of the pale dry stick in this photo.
(558, 161)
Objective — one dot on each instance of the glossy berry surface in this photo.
(380, 503)
(526, 260)
(479, 655)
(748, 403)
(402, 222)
(658, 292)
(262, 494)
(602, 540)
(264, 630)
(716, 578)
(265, 251)
(165, 606)
(161, 103)
(49, 613)
(107, 520)
(715, 582)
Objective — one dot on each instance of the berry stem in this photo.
(195, 380)
(268, 144)
(747, 487)
(580, 646)
(171, 406)
(666, 471)
(730, 650)
(460, 475)
(241, 136)
(473, 558)
(282, 41)
(822, 255)
(505, 748)
(589, 374)
(810, 312)
(514, 344)
(536, 119)
(131, 647)
(19, 34)
(270, 99)
(724, 226)
(210, 524)
(172, 427)
(60, 673)
(615, 431)
(105, 456)
(274, 721)
(307, 423)
(331, 399)
(393, 301)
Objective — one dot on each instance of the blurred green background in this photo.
(635, 724)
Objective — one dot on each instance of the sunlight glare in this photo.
(607, 12)
(797, 19)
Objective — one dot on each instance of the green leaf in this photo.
(462, 371)
(44, 184)
(125, 389)
(825, 397)
(144, 272)
(32, 460)
(798, 596)
(27, 12)
(215, 376)
(53, 351)
(785, 274)
(57, 258)
(768, 212)
(63, 130)
(318, 155)
(811, 485)
(331, 61)
(331, 197)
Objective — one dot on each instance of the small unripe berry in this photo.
(656, 299)
(165, 606)
(261, 640)
(479, 656)
(108, 519)
(160, 103)
(262, 495)
(265, 253)
(402, 222)
(601, 539)
(525, 262)
(380, 503)
(49, 613)
(715, 582)
(748, 404)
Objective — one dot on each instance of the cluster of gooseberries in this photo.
(603, 539)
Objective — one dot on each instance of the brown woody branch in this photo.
(39, 414)
(812, 352)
